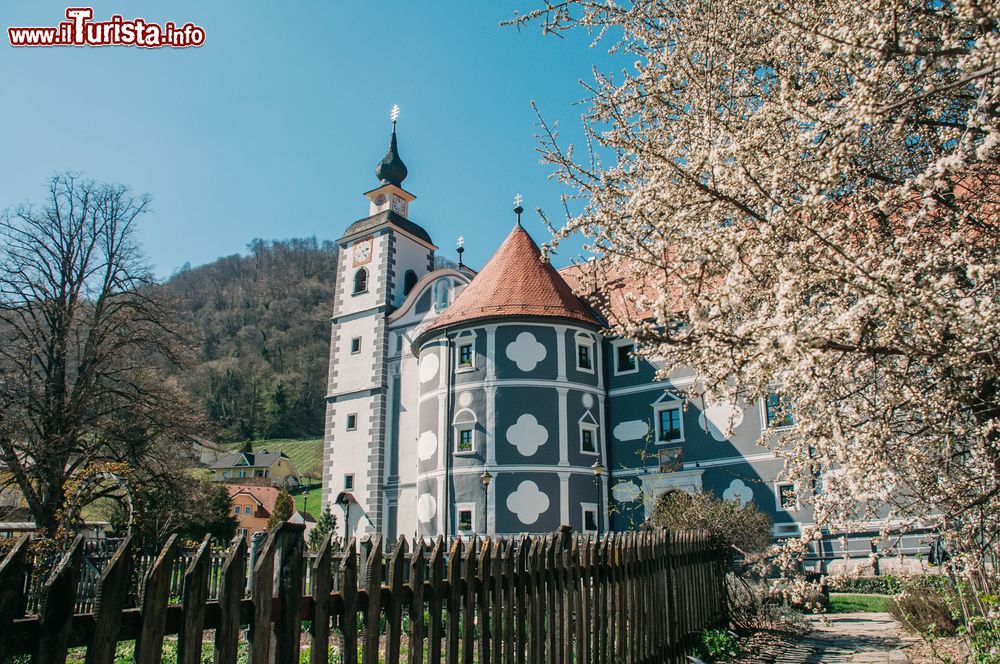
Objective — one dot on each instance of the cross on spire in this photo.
(517, 207)
(461, 249)
(394, 113)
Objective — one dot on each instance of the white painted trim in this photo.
(517, 382)
(777, 484)
(491, 434)
(563, 426)
(563, 498)
(656, 484)
(678, 383)
(616, 344)
(593, 428)
(458, 428)
(711, 463)
(471, 507)
(560, 331)
(462, 339)
(661, 406)
(588, 341)
(584, 508)
(762, 410)
(478, 469)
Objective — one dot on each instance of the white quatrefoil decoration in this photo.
(718, 417)
(528, 502)
(739, 492)
(527, 435)
(525, 351)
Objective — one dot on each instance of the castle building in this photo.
(492, 402)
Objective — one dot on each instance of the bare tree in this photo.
(84, 339)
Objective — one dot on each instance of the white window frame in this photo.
(465, 342)
(589, 507)
(237, 509)
(590, 343)
(358, 341)
(764, 424)
(247, 510)
(593, 429)
(348, 424)
(616, 344)
(661, 406)
(463, 507)
(777, 497)
(465, 420)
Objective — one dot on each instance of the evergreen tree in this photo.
(327, 524)
(284, 507)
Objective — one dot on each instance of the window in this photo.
(787, 500)
(442, 295)
(589, 518)
(465, 521)
(349, 482)
(465, 356)
(625, 358)
(236, 510)
(246, 509)
(355, 345)
(778, 411)
(671, 460)
(668, 424)
(352, 421)
(588, 439)
(464, 443)
(409, 281)
(584, 355)
(225, 474)
(361, 281)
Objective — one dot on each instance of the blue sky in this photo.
(272, 129)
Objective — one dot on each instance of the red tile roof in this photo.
(515, 282)
(265, 495)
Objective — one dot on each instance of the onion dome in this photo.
(391, 170)
(516, 283)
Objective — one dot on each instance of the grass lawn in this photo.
(843, 603)
(314, 498)
(307, 455)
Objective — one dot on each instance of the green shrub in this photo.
(885, 585)
(717, 644)
(925, 611)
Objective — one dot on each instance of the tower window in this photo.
(409, 281)
(778, 410)
(465, 356)
(590, 518)
(584, 355)
(465, 523)
(352, 421)
(464, 443)
(588, 439)
(669, 424)
(355, 345)
(349, 482)
(361, 281)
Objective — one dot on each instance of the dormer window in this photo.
(409, 281)
(361, 281)
(585, 352)
(442, 295)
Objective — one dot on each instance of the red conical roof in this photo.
(515, 282)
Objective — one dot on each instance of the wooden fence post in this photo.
(321, 584)
(55, 612)
(263, 597)
(374, 613)
(286, 630)
(416, 611)
(195, 596)
(482, 584)
(454, 599)
(13, 587)
(112, 592)
(155, 597)
(394, 608)
(435, 634)
(349, 590)
(231, 588)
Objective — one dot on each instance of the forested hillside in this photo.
(261, 323)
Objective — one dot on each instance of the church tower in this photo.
(380, 258)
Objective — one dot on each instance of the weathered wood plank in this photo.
(13, 586)
(469, 616)
(416, 610)
(394, 609)
(286, 629)
(373, 614)
(263, 600)
(509, 604)
(319, 630)
(438, 589)
(113, 587)
(454, 600)
(155, 596)
(483, 578)
(55, 611)
(496, 615)
(193, 603)
(232, 583)
(348, 619)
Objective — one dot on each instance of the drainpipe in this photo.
(448, 437)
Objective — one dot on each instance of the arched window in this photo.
(360, 281)
(442, 295)
(409, 281)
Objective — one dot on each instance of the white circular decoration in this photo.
(428, 367)
(588, 400)
(525, 351)
(426, 507)
(739, 492)
(718, 417)
(625, 492)
(528, 503)
(427, 445)
(631, 430)
(465, 399)
(527, 435)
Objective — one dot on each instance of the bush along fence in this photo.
(561, 598)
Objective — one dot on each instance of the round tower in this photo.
(511, 405)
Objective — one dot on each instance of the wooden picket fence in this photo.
(624, 597)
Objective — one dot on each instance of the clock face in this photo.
(362, 251)
(380, 200)
(398, 205)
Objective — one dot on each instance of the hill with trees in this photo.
(261, 324)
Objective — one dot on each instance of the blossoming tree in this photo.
(803, 198)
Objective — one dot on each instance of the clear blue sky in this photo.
(272, 129)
